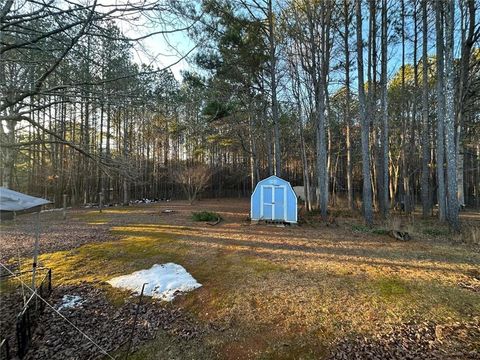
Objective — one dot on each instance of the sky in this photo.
(158, 50)
(163, 50)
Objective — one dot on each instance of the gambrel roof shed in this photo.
(274, 199)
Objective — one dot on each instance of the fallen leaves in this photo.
(109, 326)
(426, 341)
(55, 234)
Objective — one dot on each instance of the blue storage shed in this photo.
(274, 199)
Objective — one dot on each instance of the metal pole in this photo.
(64, 206)
(35, 252)
(135, 322)
(100, 200)
(19, 261)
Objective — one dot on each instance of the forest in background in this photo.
(273, 88)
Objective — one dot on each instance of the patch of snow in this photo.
(70, 301)
(164, 281)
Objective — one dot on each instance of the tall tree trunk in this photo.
(405, 115)
(303, 150)
(322, 169)
(126, 150)
(468, 41)
(325, 56)
(9, 152)
(452, 199)
(317, 74)
(371, 104)
(425, 182)
(273, 83)
(268, 137)
(365, 126)
(321, 152)
(440, 111)
(413, 123)
(253, 154)
(347, 106)
(384, 134)
(306, 175)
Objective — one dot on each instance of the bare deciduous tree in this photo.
(193, 179)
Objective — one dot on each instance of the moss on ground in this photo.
(100, 261)
(391, 287)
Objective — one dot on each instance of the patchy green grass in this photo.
(98, 262)
(391, 286)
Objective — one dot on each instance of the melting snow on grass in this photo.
(164, 281)
(70, 301)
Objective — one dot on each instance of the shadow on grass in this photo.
(355, 253)
(278, 287)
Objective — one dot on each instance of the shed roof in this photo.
(274, 177)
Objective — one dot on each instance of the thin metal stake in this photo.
(35, 255)
(19, 261)
(35, 251)
(64, 206)
(135, 322)
(100, 200)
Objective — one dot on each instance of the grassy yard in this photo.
(279, 292)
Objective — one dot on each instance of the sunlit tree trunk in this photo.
(452, 190)
(365, 126)
(440, 151)
(468, 36)
(347, 119)
(425, 181)
(405, 116)
(384, 106)
(273, 84)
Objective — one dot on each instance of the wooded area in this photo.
(272, 88)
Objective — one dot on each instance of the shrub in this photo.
(205, 216)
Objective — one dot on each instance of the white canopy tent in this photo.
(12, 202)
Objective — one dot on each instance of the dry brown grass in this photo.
(291, 292)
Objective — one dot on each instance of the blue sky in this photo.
(164, 50)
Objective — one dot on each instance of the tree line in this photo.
(371, 103)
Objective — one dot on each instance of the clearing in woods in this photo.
(310, 291)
